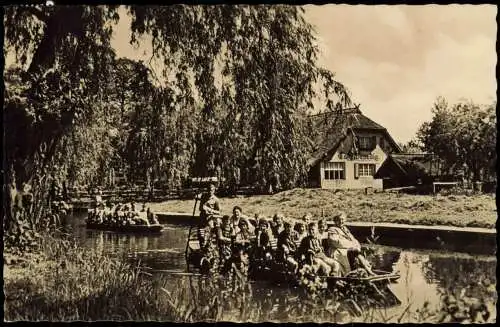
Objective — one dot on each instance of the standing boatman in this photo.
(209, 206)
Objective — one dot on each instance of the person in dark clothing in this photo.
(225, 236)
(287, 247)
(312, 249)
(264, 236)
(237, 217)
(243, 238)
(277, 226)
(209, 247)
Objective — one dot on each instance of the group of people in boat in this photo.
(237, 241)
(121, 214)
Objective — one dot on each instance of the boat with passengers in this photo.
(263, 249)
(123, 218)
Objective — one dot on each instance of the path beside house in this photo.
(453, 210)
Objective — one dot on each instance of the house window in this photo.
(366, 142)
(334, 170)
(365, 170)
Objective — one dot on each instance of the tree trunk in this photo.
(10, 190)
(64, 21)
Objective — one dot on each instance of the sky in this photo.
(395, 60)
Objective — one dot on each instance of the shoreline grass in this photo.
(69, 283)
(451, 210)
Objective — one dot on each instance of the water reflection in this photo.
(476, 278)
(223, 300)
(424, 276)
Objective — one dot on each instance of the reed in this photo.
(73, 283)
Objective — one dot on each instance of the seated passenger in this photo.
(99, 216)
(347, 248)
(263, 240)
(306, 219)
(237, 217)
(90, 215)
(243, 237)
(301, 232)
(218, 221)
(118, 211)
(287, 247)
(225, 240)
(322, 229)
(312, 250)
(141, 219)
(209, 247)
(108, 210)
(152, 218)
(278, 226)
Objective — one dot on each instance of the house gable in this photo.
(344, 152)
(342, 132)
(349, 146)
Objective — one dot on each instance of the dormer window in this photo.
(366, 142)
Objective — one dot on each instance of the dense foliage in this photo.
(464, 137)
(236, 85)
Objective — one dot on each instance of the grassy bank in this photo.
(454, 210)
(64, 282)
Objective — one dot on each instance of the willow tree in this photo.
(252, 69)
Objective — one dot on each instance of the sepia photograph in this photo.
(246, 163)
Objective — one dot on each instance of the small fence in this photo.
(81, 198)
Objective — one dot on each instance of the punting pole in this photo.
(176, 273)
(190, 231)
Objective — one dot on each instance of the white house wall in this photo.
(350, 182)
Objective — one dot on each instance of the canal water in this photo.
(425, 275)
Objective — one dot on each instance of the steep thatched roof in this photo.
(333, 127)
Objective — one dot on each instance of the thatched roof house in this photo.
(349, 149)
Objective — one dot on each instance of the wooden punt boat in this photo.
(137, 229)
(375, 287)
